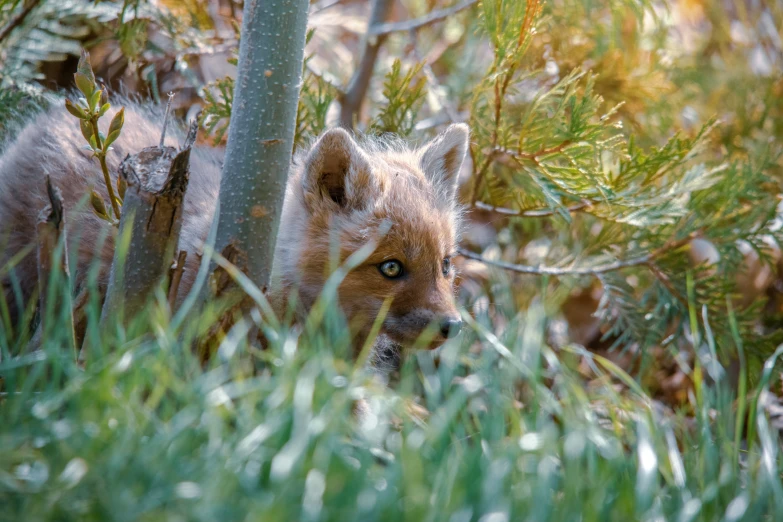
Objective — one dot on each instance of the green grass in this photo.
(513, 433)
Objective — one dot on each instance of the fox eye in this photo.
(446, 266)
(391, 269)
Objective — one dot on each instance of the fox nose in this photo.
(450, 327)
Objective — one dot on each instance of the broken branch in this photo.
(54, 278)
(157, 178)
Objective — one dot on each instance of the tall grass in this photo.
(506, 432)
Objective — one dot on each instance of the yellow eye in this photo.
(391, 269)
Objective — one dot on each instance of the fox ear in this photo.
(337, 173)
(441, 159)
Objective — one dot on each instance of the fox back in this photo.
(340, 191)
(51, 144)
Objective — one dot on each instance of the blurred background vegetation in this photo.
(621, 267)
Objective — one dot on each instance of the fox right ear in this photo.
(337, 173)
(441, 158)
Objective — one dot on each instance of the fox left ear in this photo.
(337, 173)
(441, 159)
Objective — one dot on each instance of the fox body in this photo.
(339, 189)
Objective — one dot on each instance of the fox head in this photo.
(404, 202)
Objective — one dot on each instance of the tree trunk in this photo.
(151, 219)
(261, 132)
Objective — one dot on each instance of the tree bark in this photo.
(261, 132)
(54, 277)
(157, 178)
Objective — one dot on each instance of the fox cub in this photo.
(338, 188)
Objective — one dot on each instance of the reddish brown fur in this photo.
(348, 191)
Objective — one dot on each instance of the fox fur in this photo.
(339, 187)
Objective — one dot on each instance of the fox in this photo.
(340, 186)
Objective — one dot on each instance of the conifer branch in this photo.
(537, 212)
(519, 155)
(500, 88)
(555, 271)
(667, 282)
(645, 260)
(418, 23)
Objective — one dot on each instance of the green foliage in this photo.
(539, 145)
(403, 94)
(216, 113)
(316, 97)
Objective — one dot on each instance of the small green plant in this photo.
(217, 111)
(89, 110)
(216, 114)
(404, 92)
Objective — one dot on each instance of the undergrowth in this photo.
(489, 428)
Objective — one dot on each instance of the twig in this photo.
(351, 101)
(176, 277)
(190, 139)
(323, 5)
(16, 20)
(542, 212)
(645, 260)
(208, 50)
(417, 23)
(166, 119)
(104, 168)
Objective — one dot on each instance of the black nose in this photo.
(450, 327)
